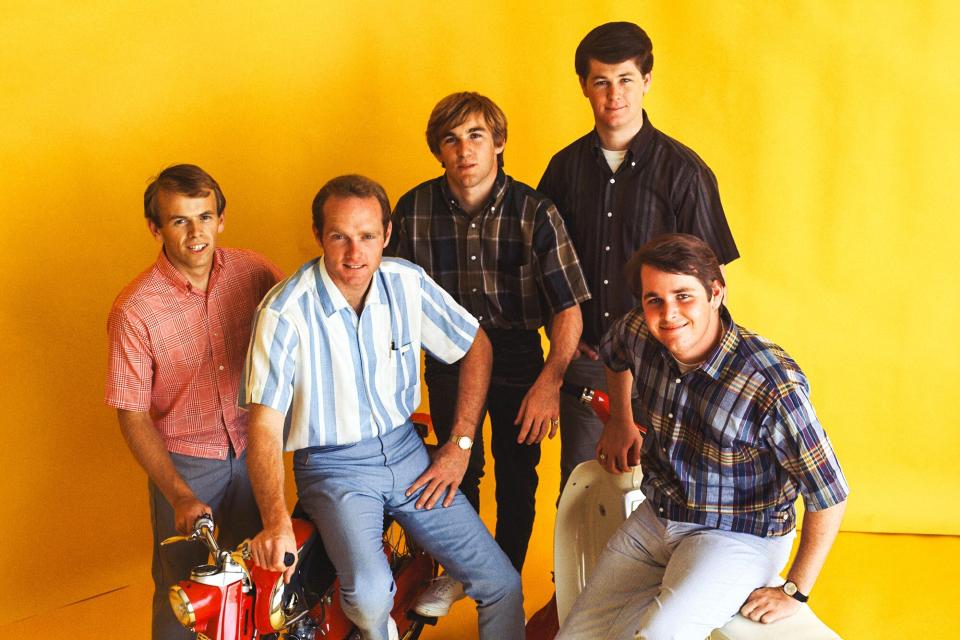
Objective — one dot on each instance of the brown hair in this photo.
(612, 43)
(350, 186)
(675, 253)
(453, 110)
(185, 179)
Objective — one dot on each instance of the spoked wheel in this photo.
(400, 550)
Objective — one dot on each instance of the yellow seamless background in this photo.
(831, 128)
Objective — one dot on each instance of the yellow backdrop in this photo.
(831, 128)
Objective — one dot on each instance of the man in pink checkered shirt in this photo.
(178, 337)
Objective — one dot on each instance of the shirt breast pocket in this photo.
(403, 358)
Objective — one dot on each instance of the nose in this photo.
(193, 227)
(462, 148)
(669, 309)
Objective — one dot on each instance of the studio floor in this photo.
(874, 586)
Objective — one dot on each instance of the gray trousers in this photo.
(580, 428)
(659, 579)
(225, 486)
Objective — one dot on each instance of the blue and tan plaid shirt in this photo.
(733, 442)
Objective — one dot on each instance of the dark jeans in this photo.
(517, 361)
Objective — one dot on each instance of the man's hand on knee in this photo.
(442, 477)
(269, 547)
(769, 604)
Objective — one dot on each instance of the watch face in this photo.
(789, 588)
(464, 442)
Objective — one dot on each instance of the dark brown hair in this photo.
(453, 110)
(675, 253)
(612, 43)
(350, 186)
(185, 179)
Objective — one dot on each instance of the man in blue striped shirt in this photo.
(336, 350)
(732, 441)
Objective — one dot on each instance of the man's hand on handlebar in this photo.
(275, 549)
(186, 511)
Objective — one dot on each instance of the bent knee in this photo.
(671, 619)
(369, 602)
(503, 585)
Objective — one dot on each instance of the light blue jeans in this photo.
(346, 490)
(659, 579)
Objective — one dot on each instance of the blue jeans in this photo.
(225, 486)
(346, 490)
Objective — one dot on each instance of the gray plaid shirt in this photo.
(511, 265)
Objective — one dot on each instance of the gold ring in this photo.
(554, 421)
(602, 457)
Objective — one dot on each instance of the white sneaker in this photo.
(437, 599)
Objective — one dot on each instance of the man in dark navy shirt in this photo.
(616, 188)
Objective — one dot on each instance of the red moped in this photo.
(232, 599)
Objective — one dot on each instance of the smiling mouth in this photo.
(354, 267)
(197, 248)
(672, 327)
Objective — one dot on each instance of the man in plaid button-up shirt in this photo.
(178, 336)
(501, 250)
(732, 441)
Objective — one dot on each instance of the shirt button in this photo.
(479, 317)
(606, 314)
(612, 180)
(670, 415)
(492, 209)
(678, 380)
(473, 225)
(633, 164)
(220, 367)
(607, 248)
(609, 214)
(660, 509)
(474, 290)
(473, 257)
(606, 282)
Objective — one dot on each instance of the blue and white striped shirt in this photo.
(340, 378)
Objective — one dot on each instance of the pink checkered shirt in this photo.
(178, 352)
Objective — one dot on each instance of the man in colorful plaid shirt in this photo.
(501, 250)
(178, 335)
(732, 441)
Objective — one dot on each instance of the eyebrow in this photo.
(651, 294)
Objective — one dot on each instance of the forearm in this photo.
(816, 537)
(619, 388)
(150, 451)
(565, 330)
(474, 382)
(265, 465)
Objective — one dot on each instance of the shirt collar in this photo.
(637, 146)
(180, 281)
(496, 194)
(726, 349)
(332, 299)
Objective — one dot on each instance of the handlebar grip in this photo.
(288, 559)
